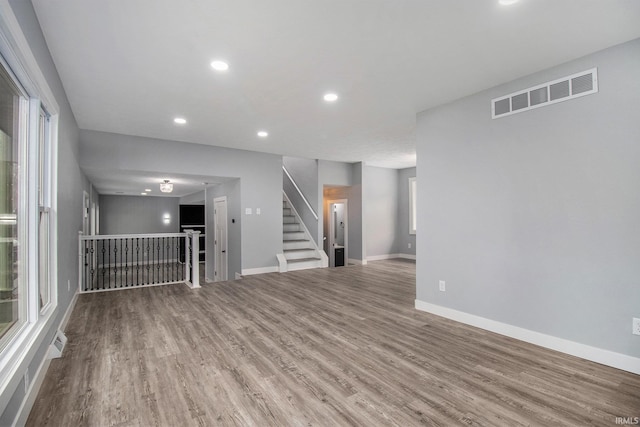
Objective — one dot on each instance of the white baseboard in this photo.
(261, 270)
(67, 314)
(390, 256)
(38, 378)
(357, 261)
(594, 354)
(32, 393)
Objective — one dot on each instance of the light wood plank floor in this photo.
(326, 347)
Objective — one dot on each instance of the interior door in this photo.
(220, 239)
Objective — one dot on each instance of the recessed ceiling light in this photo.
(180, 121)
(330, 97)
(148, 190)
(219, 65)
(263, 134)
(144, 194)
(507, 2)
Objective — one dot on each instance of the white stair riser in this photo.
(311, 253)
(304, 265)
(286, 211)
(289, 220)
(295, 244)
(290, 227)
(295, 235)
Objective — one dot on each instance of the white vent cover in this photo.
(574, 86)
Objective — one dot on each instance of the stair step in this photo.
(289, 219)
(287, 228)
(293, 235)
(304, 264)
(291, 254)
(296, 244)
(293, 261)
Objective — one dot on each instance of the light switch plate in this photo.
(248, 211)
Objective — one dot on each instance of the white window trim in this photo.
(28, 338)
(412, 207)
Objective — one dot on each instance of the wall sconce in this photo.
(166, 218)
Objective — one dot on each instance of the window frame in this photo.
(17, 353)
(413, 211)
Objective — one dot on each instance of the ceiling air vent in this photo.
(576, 85)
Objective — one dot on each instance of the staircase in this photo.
(300, 251)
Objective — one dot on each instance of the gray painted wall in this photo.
(71, 184)
(532, 219)
(193, 199)
(139, 214)
(402, 233)
(380, 196)
(260, 174)
(231, 190)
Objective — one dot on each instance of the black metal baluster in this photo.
(126, 261)
(115, 263)
(137, 267)
(103, 250)
(159, 261)
(121, 265)
(92, 260)
(148, 260)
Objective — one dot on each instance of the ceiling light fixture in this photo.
(143, 194)
(330, 97)
(507, 2)
(148, 190)
(166, 186)
(219, 65)
(263, 134)
(180, 121)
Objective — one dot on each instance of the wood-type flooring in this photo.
(326, 347)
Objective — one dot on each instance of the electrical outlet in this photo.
(442, 286)
(409, 245)
(68, 285)
(636, 326)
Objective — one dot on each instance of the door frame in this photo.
(331, 203)
(216, 268)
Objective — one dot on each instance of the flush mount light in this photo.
(263, 134)
(330, 97)
(219, 65)
(180, 121)
(166, 186)
(507, 2)
(143, 194)
(148, 190)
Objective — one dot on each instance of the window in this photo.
(28, 232)
(413, 212)
(25, 245)
(12, 139)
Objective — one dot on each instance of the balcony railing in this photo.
(109, 262)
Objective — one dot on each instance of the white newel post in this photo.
(195, 259)
(80, 266)
(187, 258)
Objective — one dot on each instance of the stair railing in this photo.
(108, 262)
(313, 212)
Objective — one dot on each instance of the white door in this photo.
(220, 238)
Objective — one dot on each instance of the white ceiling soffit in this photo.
(130, 67)
(133, 183)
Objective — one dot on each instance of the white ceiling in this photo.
(133, 183)
(131, 66)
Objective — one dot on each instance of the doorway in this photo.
(338, 233)
(220, 239)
